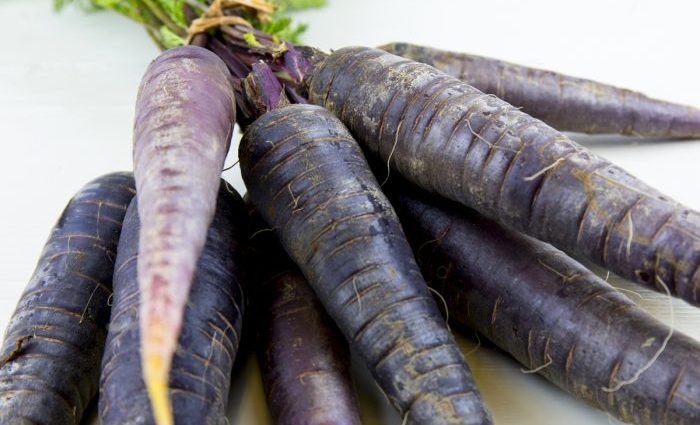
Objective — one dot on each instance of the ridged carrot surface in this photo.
(449, 138)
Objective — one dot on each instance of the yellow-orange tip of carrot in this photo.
(156, 380)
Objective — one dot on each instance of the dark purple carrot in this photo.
(449, 138)
(50, 358)
(309, 180)
(564, 102)
(552, 314)
(303, 357)
(184, 113)
(201, 369)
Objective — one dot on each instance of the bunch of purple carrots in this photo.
(386, 187)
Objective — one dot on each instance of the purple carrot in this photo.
(564, 102)
(201, 368)
(184, 115)
(309, 180)
(552, 314)
(449, 138)
(303, 357)
(50, 357)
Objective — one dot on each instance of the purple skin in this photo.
(60, 323)
(201, 374)
(564, 102)
(262, 92)
(544, 308)
(303, 357)
(449, 138)
(184, 115)
(309, 180)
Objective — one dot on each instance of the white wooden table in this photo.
(68, 84)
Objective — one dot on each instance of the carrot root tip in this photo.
(158, 390)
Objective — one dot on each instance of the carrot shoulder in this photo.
(552, 314)
(309, 180)
(566, 103)
(447, 137)
(184, 114)
(50, 358)
(200, 378)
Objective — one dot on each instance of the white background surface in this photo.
(68, 84)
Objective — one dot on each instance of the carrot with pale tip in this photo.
(184, 114)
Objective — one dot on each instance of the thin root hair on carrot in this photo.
(539, 368)
(552, 269)
(230, 166)
(661, 349)
(432, 241)
(476, 347)
(631, 233)
(271, 229)
(388, 159)
(544, 170)
(295, 199)
(212, 348)
(357, 294)
(444, 304)
(630, 291)
(479, 137)
(87, 304)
